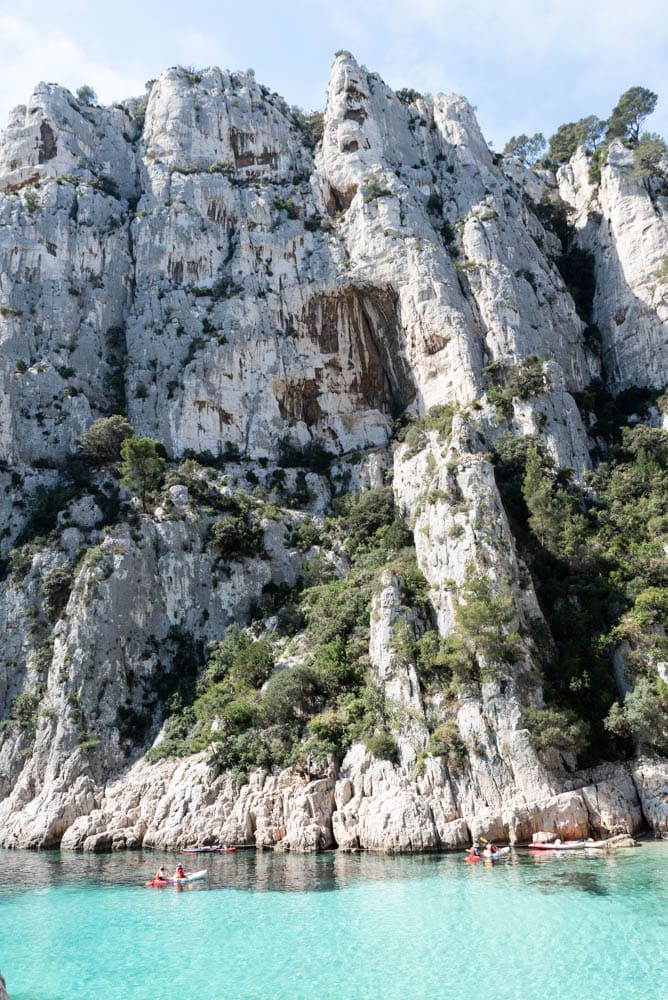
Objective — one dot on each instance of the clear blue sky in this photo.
(527, 65)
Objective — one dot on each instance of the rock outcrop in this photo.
(205, 263)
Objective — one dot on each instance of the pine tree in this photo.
(142, 468)
(631, 109)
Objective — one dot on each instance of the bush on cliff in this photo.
(56, 587)
(553, 728)
(101, 442)
(238, 537)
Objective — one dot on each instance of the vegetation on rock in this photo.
(142, 466)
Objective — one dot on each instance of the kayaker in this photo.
(179, 873)
(161, 875)
(492, 848)
(475, 849)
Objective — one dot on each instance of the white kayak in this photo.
(488, 855)
(190, 877)
(496, 855)
(568, 845)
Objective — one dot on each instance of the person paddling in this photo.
(179, 873)
(161, 875)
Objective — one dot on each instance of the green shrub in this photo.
(288, 207)
(333, 670)
(662, 273)
(305, 535)
(87, 742)
(56, 587)
(238, 537)
(290, 696)
(408, 96)
(23, 710)
(554, 728)
(373, 188)
(311, 124)
(44, 506)
(644, 715)
(247, 661)
(107, 185)
(383, 745)
(446, 742)
(446, 661)
(101, 442)
(32, 201)
(362, 515)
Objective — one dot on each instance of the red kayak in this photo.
(487, 855)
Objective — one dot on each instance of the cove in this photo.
(262, 925)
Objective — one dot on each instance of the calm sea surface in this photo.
(344, 927)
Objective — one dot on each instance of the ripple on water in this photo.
(283, 927)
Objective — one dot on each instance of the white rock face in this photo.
(624, 224)
(231, 286)
(649, 776)
(393, 630)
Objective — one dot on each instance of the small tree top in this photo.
(86, 95)
(586, 132)
(631, 109)
(101, 442)
(527, 148)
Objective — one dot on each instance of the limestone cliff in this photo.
(240, 280)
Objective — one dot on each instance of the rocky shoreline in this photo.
(364, 805)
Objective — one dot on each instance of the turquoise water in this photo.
(337, 926)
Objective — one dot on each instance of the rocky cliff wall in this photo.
(197, 262)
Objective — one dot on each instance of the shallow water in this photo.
(350, 927)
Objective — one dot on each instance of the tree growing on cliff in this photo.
(484, 618)
(537, 491)
(101, 442)
(644, 715)
(651, 158)
(526, 148)
(87, 96)
(586, 132)
(627, 116)
(142, 467)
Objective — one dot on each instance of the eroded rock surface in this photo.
(196, 261)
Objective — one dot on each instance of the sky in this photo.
(526, 65)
